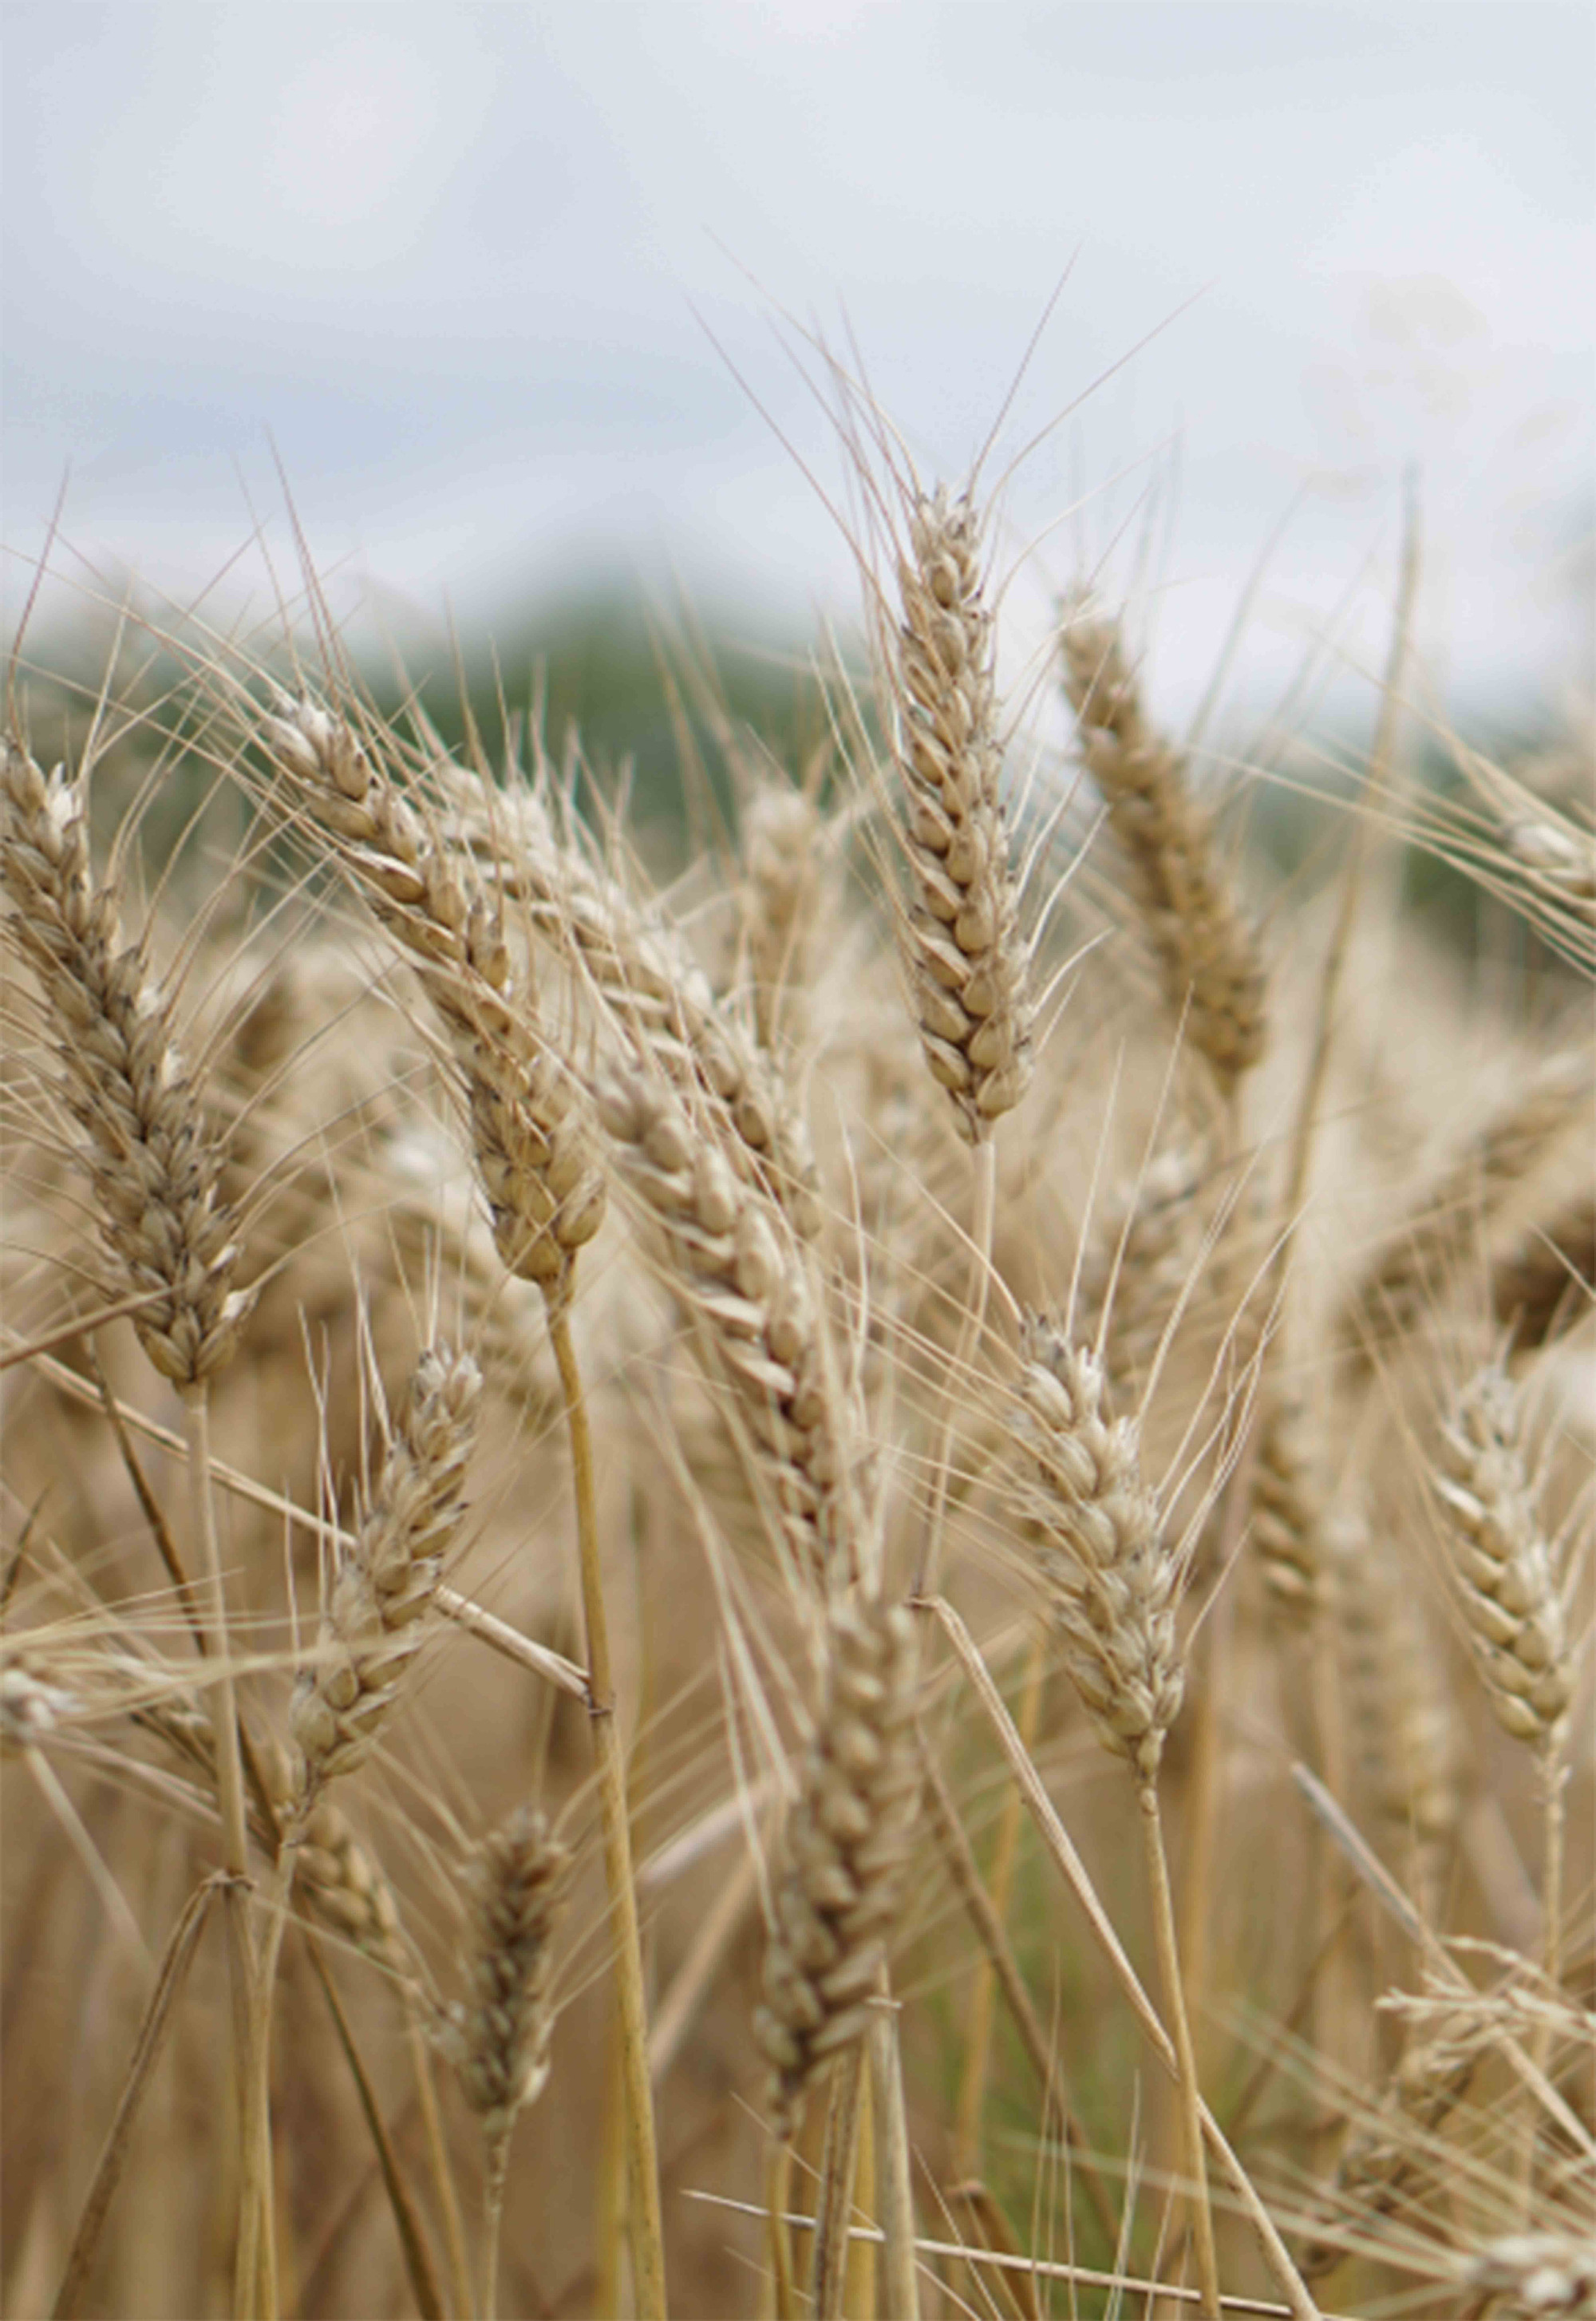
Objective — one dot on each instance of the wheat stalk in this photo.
(531, 1142)
(968, 966)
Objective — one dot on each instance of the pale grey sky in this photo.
(455, 261)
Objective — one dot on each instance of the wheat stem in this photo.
(899, 2285)
(972, 2093)
(1174, 2001)
(643, 2167)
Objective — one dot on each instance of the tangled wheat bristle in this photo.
(1502, 1561)
(533, 1145)
(1113, 1583)
(968, 966)
(374, 1622)
(1546, 1283)
(844, 1851)
(154, 1164)
(732, 1260)
(1213, 974)
(499, 2034)
(1392, 2146)
(1515, 1137)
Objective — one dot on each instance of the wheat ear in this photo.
(533, 1146)
(1113, 1586)
(654, 991)
(968, 966)
(844, 1851)
(779, 900)
(737, 1268)
(1213, 975)
(1507, 1587)
(499, 2034)
(141, 1129)
(374, 1622)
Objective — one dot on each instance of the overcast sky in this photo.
(467, 266)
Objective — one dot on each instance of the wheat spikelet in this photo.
(844, 1852)
(532, 1144)
(375, 1621)
(1212, 973)
(1501, 1562)
(499, 2034)
(777, 904)
(968, 967)
(142, 1133)
(1113, 1583)
(733, 1261)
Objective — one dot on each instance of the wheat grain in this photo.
(1113, 1583)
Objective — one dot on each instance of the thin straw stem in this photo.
(647, 2238)
(1169, 1966)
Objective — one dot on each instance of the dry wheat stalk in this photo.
(1213, 974)
(844, 1850)
(732, 1260)
(143, 1136)
(969, 969)
(498, 2035)
(1502, 1562)
(375, 1620)
(532, 1142)
(1113, 1583)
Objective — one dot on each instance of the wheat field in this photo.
(846, 1574)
